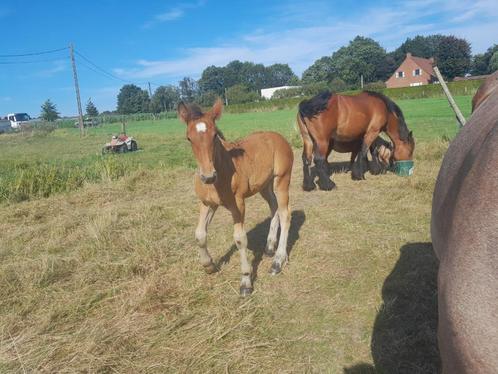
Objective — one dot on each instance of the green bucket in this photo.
(403, 168)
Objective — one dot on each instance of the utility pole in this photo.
(361, 81)
(77, 88)
(150, 91)
(453, 104)
(226, 97)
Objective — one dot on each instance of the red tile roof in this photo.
(424, 63)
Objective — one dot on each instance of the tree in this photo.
(49, 111)
(322, 70)
(363, 56)
(279, 75)
(132, 99)
(239, 94)
(91, 109)
(189, 89)
(481, 62)
(493, 63)
(212, 80)
(453, 56)
(165, 99)
(419, 46)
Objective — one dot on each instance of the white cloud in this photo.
(173, 14)
(57, 67)
(300, 46)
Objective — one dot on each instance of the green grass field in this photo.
(101, 274)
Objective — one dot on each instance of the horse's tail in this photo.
(393, 108)
(305, 135)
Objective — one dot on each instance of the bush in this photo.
(375, 86)
(240, 94)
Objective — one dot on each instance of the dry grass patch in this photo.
(106, 279)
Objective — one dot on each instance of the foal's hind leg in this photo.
(281, 185)
(271, 199)
(205, 217)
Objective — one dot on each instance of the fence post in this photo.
(453, 104)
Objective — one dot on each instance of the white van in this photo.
(18, 119)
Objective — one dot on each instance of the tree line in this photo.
(240, 82)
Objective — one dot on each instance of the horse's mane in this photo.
(392, 107)
(314, 106)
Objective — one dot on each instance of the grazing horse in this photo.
(231, 172)
(328, 121)
(464, 232)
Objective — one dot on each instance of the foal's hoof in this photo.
(357, 177)
(245, 291)
(210, 269)
(269, 252)
(275, 268)
(326, 185)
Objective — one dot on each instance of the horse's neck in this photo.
(222, 159)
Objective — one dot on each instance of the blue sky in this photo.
(163, 41)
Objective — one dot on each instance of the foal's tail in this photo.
(393, 108)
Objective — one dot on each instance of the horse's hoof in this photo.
(327, 186)
(210, 269)
(357, 177)
(275, 268)
(245, 291)
(309, 186)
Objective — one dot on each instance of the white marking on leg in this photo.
(201, 127)
(240, 238)
(281, 254)
(272, 234)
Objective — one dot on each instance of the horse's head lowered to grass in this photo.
(202, 135)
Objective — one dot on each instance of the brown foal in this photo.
(231, 172)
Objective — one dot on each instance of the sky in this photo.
(125, 41)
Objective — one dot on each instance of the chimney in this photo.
(409, 54)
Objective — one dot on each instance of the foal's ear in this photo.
(217, 109)
(183, 112)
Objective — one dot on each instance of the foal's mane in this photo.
(314, 106)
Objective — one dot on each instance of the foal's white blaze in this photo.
(201, 127)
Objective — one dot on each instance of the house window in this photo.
(400, 74)
(417, 72)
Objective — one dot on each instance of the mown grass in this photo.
(106, 278)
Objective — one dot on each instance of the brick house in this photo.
(413, 71)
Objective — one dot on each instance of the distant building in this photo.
(413, 71)
(267, 93)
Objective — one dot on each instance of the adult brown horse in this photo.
(464, 232)
(329, 121)
(231, 172)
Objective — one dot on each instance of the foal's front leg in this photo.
(240, 237)
(205, 216)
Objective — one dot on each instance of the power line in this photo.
(28, 62)
(35, 53)
(105, 72)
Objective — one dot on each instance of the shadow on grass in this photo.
(404, 337)
(256, 240)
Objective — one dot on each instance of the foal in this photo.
(231, 172)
